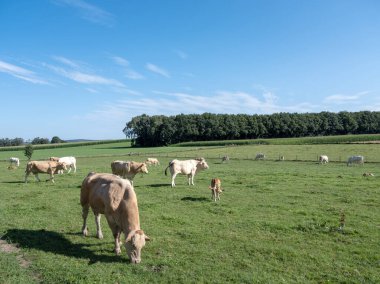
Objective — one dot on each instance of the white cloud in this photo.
(181, 54)
(89, 12)
(344, 99)
(66, 61)
(158, 70)
(174, 103)
(85, 78)
(129, 73)
(21, 73)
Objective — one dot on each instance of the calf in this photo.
(152, 161)
(216, 188)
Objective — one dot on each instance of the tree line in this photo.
(160, 130)
(38, 140)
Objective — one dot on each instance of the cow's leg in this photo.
(75, 168)
(116, 232)
(26, 177)
(52, 177)
(36, 177)
(85, 209)
(69, 169)
(173, 178)
(192, 179)
(99, 233)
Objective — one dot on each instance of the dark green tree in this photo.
(28, 151)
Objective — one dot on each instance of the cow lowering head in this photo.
(134, 243)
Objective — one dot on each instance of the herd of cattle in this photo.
(113, 194)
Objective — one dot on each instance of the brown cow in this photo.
(128, 169)
(114, 197)
(216, 188)
(45, 167)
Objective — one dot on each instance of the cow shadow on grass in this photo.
(195, 199)
(53, 242)
(14, 181)
(159, 185)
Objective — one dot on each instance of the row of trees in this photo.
(160, 130)
(19, 141)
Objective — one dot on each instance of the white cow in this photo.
(323, 159)
(14, 161)
(71, 163)
(186, 167)
(355, 160)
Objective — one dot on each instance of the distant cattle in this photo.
(152, 161)
(260, 156)
(115, 197)
(14, 161)
(45, 167)
(323, 159)
(368, 175)
(281, 158)
(186, 167)
(355, 160)
(128, 169)
(216, 188)
(225, 158)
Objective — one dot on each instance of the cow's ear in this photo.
(147, 238)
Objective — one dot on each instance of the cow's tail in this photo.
(166, 170)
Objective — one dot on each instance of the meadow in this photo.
(292, 221)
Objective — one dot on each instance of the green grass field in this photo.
(276, 222)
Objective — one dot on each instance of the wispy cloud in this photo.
(174, 103)
(181, 54)
(21, 73)
(344, 99)
(66, 61)
(129, 72)
(158, 70)
(89, 12)
(85, 78)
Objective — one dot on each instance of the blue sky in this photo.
(83, 68)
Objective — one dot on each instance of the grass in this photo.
(277, 222)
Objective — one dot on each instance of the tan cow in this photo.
(46, 167)
(216, 188)
(128, 169)
(152, 161)
(186, 167)
(114, 197)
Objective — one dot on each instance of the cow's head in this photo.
(61, 166)
(202, 164)
(134, 243)
(143, 168)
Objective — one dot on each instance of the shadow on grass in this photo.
(197, 199)
(14, 181)
(159, 185)
(56, 243)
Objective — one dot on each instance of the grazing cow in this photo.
(128, 169)
(114, 197)
(368, 175)
(260, 156)
(323, 159)
(45, 167)
(186, 167)
(14, 162)
(355, 160)
(225, 159)
(216, 188)
(152, 161)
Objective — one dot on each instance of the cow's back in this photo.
(104, 192)
(184, 167)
